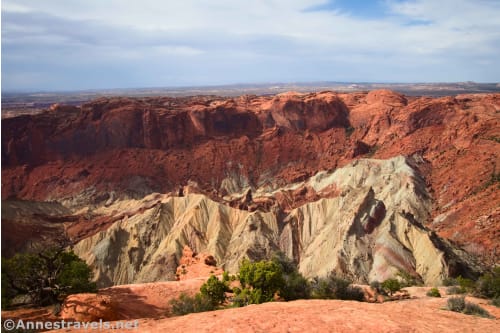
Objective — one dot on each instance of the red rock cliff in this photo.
(136, 146)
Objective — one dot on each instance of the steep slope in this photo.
(146, 247)
(369, 232)
(32, 225)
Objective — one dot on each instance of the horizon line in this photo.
(235, 85)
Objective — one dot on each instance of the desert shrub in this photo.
(333, 287)
(45, 277)
(260, 281)
(321, 289)
(245, 296)
(465, 284)
(434, 292)
(496, 302)
(295, 285)
(190, 304)
(407, 280)
(75, 275)
(215, 290)
(488, 285)
(227, 278)
(287, 265)
(449, 281)
(376, 286)
(456, 304)
(455, 290)
(263, 278)
(391, 286)
(474, 309)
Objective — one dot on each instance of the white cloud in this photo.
(451, 22)
(415, 33)
(13, 7)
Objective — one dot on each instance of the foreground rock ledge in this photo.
(417, 315)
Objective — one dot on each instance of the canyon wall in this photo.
(364, 184)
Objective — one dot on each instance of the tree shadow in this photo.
(128, 305)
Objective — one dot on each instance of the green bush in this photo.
(215, 290)
(295, 285)
(46, 277)
(265, 278)
(488, 285)
(434, 292)
(496, 302)
(408, 280)
(320, 289)
(474, 309)
(190, 304)
(75, 274)
(287, 265)
(455, 290)
(449, 281)
(376, 286)
(333, 287)
(262, 280)
(465, 284)
(456, 304)
(330, 287)
(391, 286)
(244, 297)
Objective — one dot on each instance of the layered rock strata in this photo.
(369, 232)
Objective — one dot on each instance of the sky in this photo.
(61, 45)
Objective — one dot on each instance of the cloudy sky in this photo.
(92, 44)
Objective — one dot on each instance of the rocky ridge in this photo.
(369, 232)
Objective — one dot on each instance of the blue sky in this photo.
(82, 44)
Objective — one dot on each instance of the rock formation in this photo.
(369, 232)
(148, 300)
(192, 265)
(370, 181)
